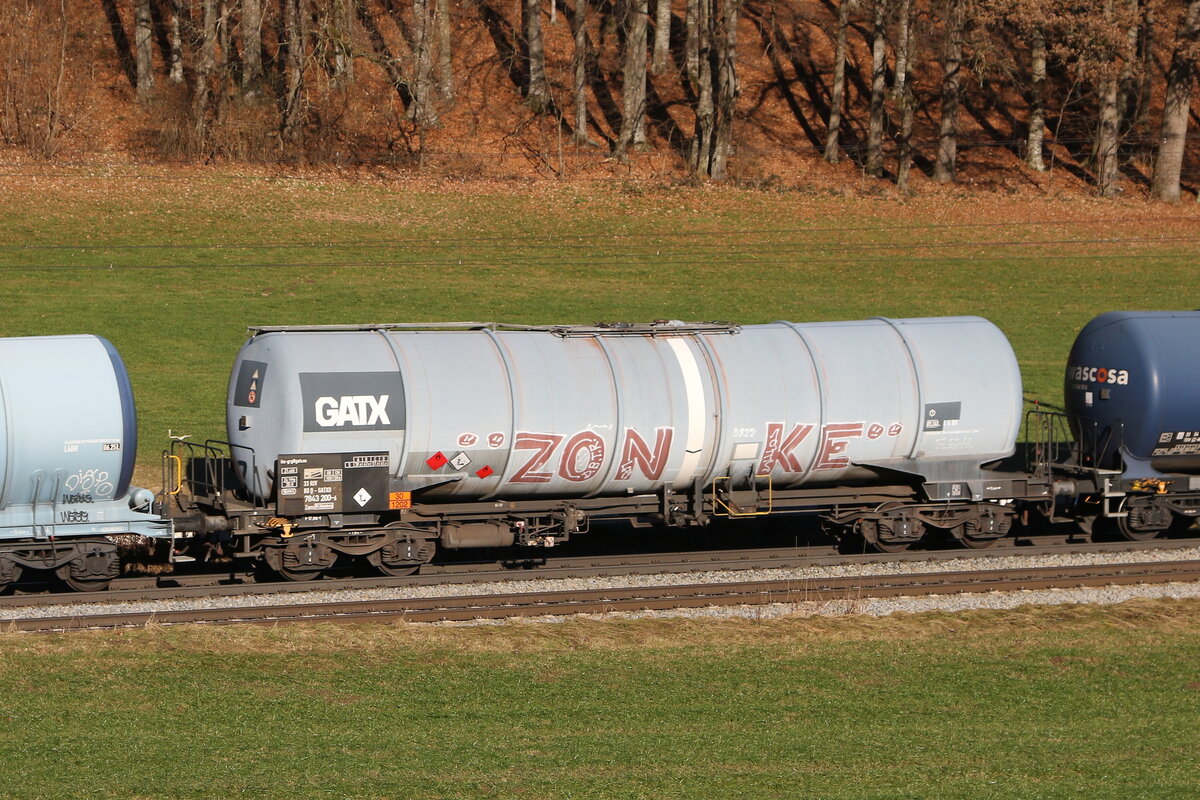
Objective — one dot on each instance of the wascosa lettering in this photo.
(357, 409)
(1120, 377)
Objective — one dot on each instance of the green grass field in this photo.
(1058, 703)
(173, 270)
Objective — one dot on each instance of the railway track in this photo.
(499, 606)
(237, 582)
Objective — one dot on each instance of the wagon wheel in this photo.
(967, 535)
(884, 527)
(300, 575)
(398, 571)
(10, 572)
(82, 584)
(1135, 534)
(1143, 523)
(92, 584)
(87, 586)
(891, 547)
(401, 569)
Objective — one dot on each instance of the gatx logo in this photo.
(1120, 377)
(352, 401)
(359, 409)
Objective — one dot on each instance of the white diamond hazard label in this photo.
(460, 461)
(361, 497)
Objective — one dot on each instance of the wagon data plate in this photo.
(332, 483)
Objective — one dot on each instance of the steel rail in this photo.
(527, 604)
(243, 582)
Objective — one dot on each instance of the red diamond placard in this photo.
(437, 460)
(484, 471)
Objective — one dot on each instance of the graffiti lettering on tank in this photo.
(778, 449)
(544, 445)
(90, 481)
(73, 516)
(637, 453)
(582, 457)
(76, 499)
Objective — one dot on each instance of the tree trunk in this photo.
(662, 36)
(702, 141)
(1108, 139)
(252, 56)
(904, 94)
(422, 111)
(947, 156)
(691, 48)
(1180, 76)
(293, 32)
(445, 54)
(874, 166)
(725, 39)
(537, 94)
(1111, 92)
(633, 89)
(717, 87)
(1146, 57)
(832, 150)
(143, 38)
(205, 60)
(1037, 100)
(177, 42)
(340, 27)
(1128, 92)
(579, 87)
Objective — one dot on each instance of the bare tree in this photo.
(294, 38)
(952, 54)
(580, 64)
(1037, 99)
(537, 94)
(718, 88)
(143, 38)
(1115, 56)
(445, 54)
(423, 110)
(837, 93)
(633, 131)
(205, 64)
(176, 41)
(662, 36)
(691, 46)
(903, 90)
(874, 165)
(252, 52)
(1177, 107)
(33, 74)
(337, 29)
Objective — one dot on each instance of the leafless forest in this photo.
(951, 90)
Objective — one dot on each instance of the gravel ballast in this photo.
(874, 607)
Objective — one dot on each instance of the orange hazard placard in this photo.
(399, 500)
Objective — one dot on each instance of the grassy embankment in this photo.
(173, 270)
(1004, 705)
(1059, 703)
